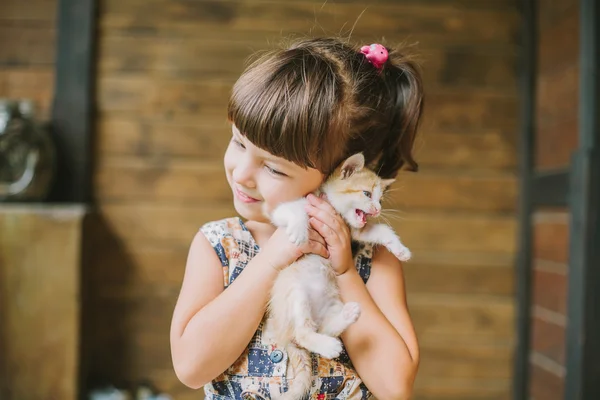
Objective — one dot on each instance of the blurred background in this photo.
(134, 94)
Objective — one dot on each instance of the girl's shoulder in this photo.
(233, 243)
(216, 231)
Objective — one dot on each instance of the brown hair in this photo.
(319, 101)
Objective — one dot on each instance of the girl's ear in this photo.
(387, 182)
(353, 164)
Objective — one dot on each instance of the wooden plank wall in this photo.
(165, 70)
(27, 47)
(556, 138)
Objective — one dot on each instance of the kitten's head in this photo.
(355, 191)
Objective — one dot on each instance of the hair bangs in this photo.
(286, 103)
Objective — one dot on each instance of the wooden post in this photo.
(583, 326)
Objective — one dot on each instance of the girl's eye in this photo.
(238, 144)
(274, 171)
(367, 193)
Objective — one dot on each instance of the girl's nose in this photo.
(243, 174)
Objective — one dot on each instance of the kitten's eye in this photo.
(367, 193)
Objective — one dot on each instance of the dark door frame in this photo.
(72, 115)
(523, 284)
(576, 187)
(72, 122)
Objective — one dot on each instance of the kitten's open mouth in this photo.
(361, 215)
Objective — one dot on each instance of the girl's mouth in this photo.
(243, 197)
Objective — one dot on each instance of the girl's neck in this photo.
(261, 231)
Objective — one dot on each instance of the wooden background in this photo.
(27, 46)
(556, 138)
(165, 69)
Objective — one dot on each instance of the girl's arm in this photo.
(211, 327)
(382, 344)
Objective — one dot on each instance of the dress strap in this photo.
(233, 244)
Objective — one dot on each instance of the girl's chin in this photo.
(254, 213)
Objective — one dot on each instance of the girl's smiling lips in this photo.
(244, 197)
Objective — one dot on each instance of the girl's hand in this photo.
(330, 225)
(280, 252)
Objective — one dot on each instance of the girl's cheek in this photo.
(268, 190)
(227, 158)
(273, 192)
(230, 159)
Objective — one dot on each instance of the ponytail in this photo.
(403, 82)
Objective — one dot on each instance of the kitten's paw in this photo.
(351, 312)
(404, 254)
(329, 347)
(399, 250)
(297, 230)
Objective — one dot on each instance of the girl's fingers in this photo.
(321, 204)
(319, 249)
(327, 218)
(316, 244)
(315, 236)
(324, 230)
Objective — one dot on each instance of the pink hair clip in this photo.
(376, 54)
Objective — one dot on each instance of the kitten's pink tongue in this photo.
(362, 216)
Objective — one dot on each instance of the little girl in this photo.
(296, 114)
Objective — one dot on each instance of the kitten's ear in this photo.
(352, 164)
(386, 183)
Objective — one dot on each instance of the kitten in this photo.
(305, 312)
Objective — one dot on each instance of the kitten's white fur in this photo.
(305, 312)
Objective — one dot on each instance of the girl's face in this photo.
(261, 181)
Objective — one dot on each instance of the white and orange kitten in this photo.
(305, 312)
